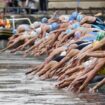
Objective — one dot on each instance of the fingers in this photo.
(92, 90)
(85, 83)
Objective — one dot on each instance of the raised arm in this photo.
(100, 54)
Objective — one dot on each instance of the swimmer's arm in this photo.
(99, 45)
(65, 59)
(81, 38)
(98, 85)
(91, 67)
(55, 52)
(72, 33)
(68, 36)
(94, 54)
(91, 48)
(61, 63)
(85, 19)
(58, 30)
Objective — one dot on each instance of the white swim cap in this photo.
(35, 25)
(38, 30)
(33, 33)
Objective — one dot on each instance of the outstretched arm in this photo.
(55, 52)
(92, 73)
(98, 85)
(97, 54)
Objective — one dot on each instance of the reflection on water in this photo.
(16, 89)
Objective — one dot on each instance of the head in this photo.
(44, 20)
(64, 18)
(77, 34)
(79, 17)
(73, 16)
(76, 25)
(35, 25)
(68, 31)
(55, 26)
(20, 29)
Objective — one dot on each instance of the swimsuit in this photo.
(60, 56)
(102, 71)
(99, 24)
(100, 36)
(81, 46)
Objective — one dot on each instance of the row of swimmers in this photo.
(75, 48)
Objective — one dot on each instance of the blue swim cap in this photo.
(44, 20)
(75, 25)
(55, 26)
(73, 16)
(79, 17)
(68, 31)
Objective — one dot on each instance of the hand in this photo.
(88, 78)
(77, 82)
(92, 90)
(47, 60)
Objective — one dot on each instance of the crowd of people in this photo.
(75, 46)
(27, 6)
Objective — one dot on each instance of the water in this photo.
(17, 89)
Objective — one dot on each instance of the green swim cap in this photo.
(100, 36)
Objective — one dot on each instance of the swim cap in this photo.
(100, 35)
(75, 25)
(68, 31)
(73, 16)
(44, 20)
(79, 17)
(54, 26)
(35, 25)
(64, 18)
(33, 33)
(77, 34)
(38, 30)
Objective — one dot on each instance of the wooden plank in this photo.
(74, 4)
(2, 3)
